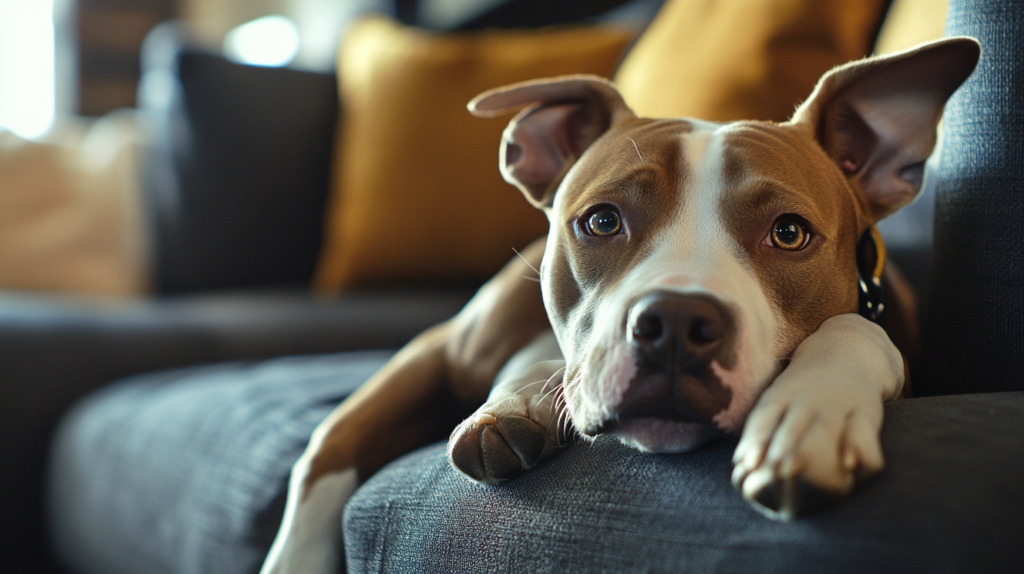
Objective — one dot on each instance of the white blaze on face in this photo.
(694, 254)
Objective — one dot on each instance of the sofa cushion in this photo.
(418, 195)
(742, 59)
(949, 501)
(54, 351)
(237, 175)
(70, 213)
(185, 471)
(911, 22)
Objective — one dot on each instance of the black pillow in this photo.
(238, 172)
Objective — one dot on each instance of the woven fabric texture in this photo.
(974, 341)
(948, 502)
(185, 471)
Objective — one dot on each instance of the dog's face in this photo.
(686, 260)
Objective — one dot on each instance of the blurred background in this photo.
(90, 204)
(82, 56)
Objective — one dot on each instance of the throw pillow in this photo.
(71, 219)
(417, 193)
(911, 22)
(727, 60)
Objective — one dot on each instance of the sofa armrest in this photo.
(53, 351)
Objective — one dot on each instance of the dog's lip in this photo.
(619, 420)
(660, 435)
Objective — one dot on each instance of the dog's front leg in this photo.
(815, 429)
(522, 422)
(403, 406)
(415, 399)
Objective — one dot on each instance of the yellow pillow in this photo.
(417, 193)
(911, 22)
(729, 60)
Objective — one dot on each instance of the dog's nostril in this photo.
(687, 329)
(648, 326)
(706, 330)
(700, 332)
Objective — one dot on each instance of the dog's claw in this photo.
(497, 451)
(792, 497)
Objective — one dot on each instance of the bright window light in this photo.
(26, 66)
(267, 41)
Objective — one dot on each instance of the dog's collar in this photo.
(870, 265)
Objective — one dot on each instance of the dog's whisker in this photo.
(530, 265)
(543, 392)
(559, 436)
(533, 383)
(563, 425)
(636, 148)
(534, 279)
(553, 387)
(549, 380)
(565, 420)
(528, 385)
(548, 394)
(558, 402)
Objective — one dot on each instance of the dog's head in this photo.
(686, 260)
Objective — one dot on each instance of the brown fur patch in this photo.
(771, 170)
(642, 183)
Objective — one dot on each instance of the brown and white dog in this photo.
(698, 279)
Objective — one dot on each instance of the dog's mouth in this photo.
(667, 411)
(665, 427)
(661, 435)
(663, 411)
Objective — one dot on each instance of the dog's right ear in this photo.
(876, 118)
(563, 117)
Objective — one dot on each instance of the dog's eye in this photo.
(605, 222)
(789, 233)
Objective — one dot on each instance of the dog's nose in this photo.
(675, 337)
(679, 332)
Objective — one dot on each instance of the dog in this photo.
(698, 279)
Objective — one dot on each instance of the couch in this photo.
(183, 470)
(235, 171)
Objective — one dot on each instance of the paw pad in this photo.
(492, 450)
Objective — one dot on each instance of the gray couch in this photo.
(236, 178)
(183, 470)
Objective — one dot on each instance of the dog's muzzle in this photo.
(676, 339)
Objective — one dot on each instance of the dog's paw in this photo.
(490, 449)
(804, 451)
(501, 441)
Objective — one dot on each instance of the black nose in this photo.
(679, 332)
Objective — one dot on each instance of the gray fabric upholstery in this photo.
(184, 471)
(974, 340)
(949, 501)
(53, 351)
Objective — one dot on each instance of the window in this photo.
(27, 98)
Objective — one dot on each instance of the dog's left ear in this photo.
(876, 118)
(562, 118)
